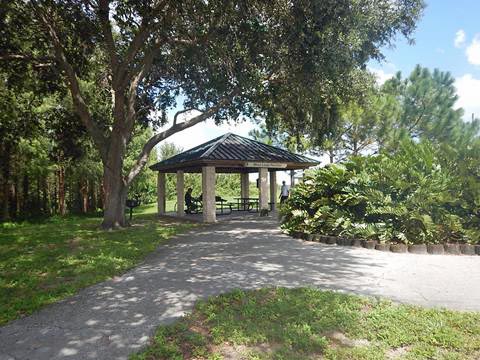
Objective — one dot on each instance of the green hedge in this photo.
(410, 197)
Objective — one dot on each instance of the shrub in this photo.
(409, 197)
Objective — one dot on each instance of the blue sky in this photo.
(447, 37)
(434, 39)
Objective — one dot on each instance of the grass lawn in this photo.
(43, 262)
(311, 324)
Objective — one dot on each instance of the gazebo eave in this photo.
(230, 166)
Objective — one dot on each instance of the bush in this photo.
(410, 197)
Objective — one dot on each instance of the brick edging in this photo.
(432, 249)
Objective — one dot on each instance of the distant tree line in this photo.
(49, 164)
(421, 106)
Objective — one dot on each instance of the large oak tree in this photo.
(224, 59)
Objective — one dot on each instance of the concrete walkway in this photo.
(115, 318)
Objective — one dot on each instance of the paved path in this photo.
(114, 318)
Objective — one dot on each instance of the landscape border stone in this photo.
(435, 249)
(398, 248)
(369, 244)
(452, 249)
(432, 249)
(417, 249)
(331, 240)
(467, 249)
(382, 247)
(357, 243)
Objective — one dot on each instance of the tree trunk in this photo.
(5, 185)
(115, 198)
(55, 194)
(61, 190)
(25, 196)
(93, 189)
(84, 193)
(45, 189)
(355, 148)
(18, 199)
(115, 188)
(6, 201)
(39, 196)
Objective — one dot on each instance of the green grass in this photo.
(311, 324)
(43, 262)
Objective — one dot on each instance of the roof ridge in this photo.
(274, 147)
(215, 145)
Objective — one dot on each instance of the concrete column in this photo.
(180, 194)
(263, 176)
(245, 185)
(273, 189)
(292, 178)
(161, 193)
(208, 194)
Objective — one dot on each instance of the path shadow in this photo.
(115, 318)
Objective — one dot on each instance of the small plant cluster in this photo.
(410, 197)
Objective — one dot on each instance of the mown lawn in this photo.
(311, 324)
(43, 262)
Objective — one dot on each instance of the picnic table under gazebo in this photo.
(229, 153)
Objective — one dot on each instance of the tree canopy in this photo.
(274, 59)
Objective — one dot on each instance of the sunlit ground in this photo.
(311, 324)
(43, 262)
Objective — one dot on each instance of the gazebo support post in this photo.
(208, 194)
(245, 185)
(263, 174)
(292, 178)
(161, 192)
(273, 189)
(180, 194)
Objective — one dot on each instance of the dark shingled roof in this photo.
(231, 150)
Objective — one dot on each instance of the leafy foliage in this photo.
(224, 59)
(412, 196)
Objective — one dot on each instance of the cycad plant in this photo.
(411, 196)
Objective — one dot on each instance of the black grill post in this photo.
(132, 203)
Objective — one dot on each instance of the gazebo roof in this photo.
(233, 153)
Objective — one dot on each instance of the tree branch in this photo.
(103, 14)
(178, 113)
(138, 77)
(138, 41)
(177, 127)
(24, 57)
(74, 86)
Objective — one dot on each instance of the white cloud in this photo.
(381, 75)
(468, 90)
(473, 51)
(460, 38)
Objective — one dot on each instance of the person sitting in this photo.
(189, 203)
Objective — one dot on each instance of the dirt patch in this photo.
(241, 352)
(75, 245)
(339, 339)
(366, 308)
(397, 352)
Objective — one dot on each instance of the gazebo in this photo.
(229, 153)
